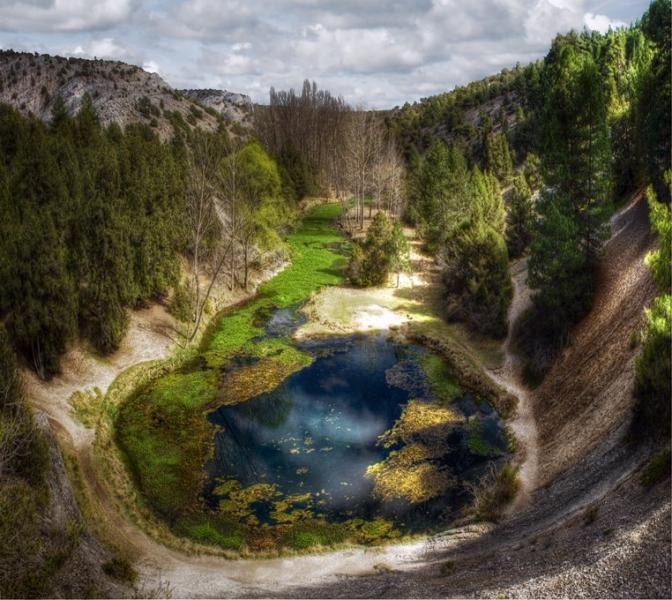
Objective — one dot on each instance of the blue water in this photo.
(318, 431)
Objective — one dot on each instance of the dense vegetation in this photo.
(566, 138)
(653, 369)
(163, 429)
(460, 214)
(90, 225)
(595, 90)
(93, 220)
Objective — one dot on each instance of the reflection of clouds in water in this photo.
(331, 383)
(346, 482)
(340, 403)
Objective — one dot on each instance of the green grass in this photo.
(441, 380)
(317, 255)
(162, 428)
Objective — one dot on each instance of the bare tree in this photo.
(206, 218)
(309, 123)
(361, 148)
(389, 178)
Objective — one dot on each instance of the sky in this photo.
(374, 53)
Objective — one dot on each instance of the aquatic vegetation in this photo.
(440, 378)
(408, 474)
(477, 441)
(162, 429)
(242, 384)
(315, 443)
(421, 418)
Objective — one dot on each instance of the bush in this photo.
(652, 369)
(477, 280)
(657, 469)
(180, 305)
(496, 491)
(121, 569)
(370, 261)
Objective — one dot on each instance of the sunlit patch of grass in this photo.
(185, 390)
(427, 420)
(317, 259)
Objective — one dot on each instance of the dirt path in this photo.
(508, 376)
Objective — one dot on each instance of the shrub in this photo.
(496, 491)
(657, 469)
(652, 370)
(370, 261)
(477, 280)
(121, 569)
(180, 305)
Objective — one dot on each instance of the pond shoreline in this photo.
(168, 476)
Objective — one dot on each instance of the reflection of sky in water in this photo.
(323, 422)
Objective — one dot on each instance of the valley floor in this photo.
(573, 428)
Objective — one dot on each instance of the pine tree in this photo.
(654, 112)
(41, 294)
(576, 165)
(441, 192)
(476, 278)
(399, 251)
(498, 157)
(520, 217)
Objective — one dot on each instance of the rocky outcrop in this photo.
(232, 106)
(121, 93)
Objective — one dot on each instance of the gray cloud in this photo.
(63, 15)
(381, 52)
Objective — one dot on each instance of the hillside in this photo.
(230, 105)
(121, 93)
(465, 114)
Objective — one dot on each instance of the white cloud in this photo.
(151, 67)
(377, 52)
(549, 17)
(601, 23)
(63, 15)
(102, 48)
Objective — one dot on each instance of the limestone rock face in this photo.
(121, 93)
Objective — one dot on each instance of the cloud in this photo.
(377, 52)
(63, 15)
(106, 48)
(549, 17)
(601, 23)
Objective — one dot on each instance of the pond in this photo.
(259, 444)
(323, 444)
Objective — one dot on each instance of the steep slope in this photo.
(121, 93)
